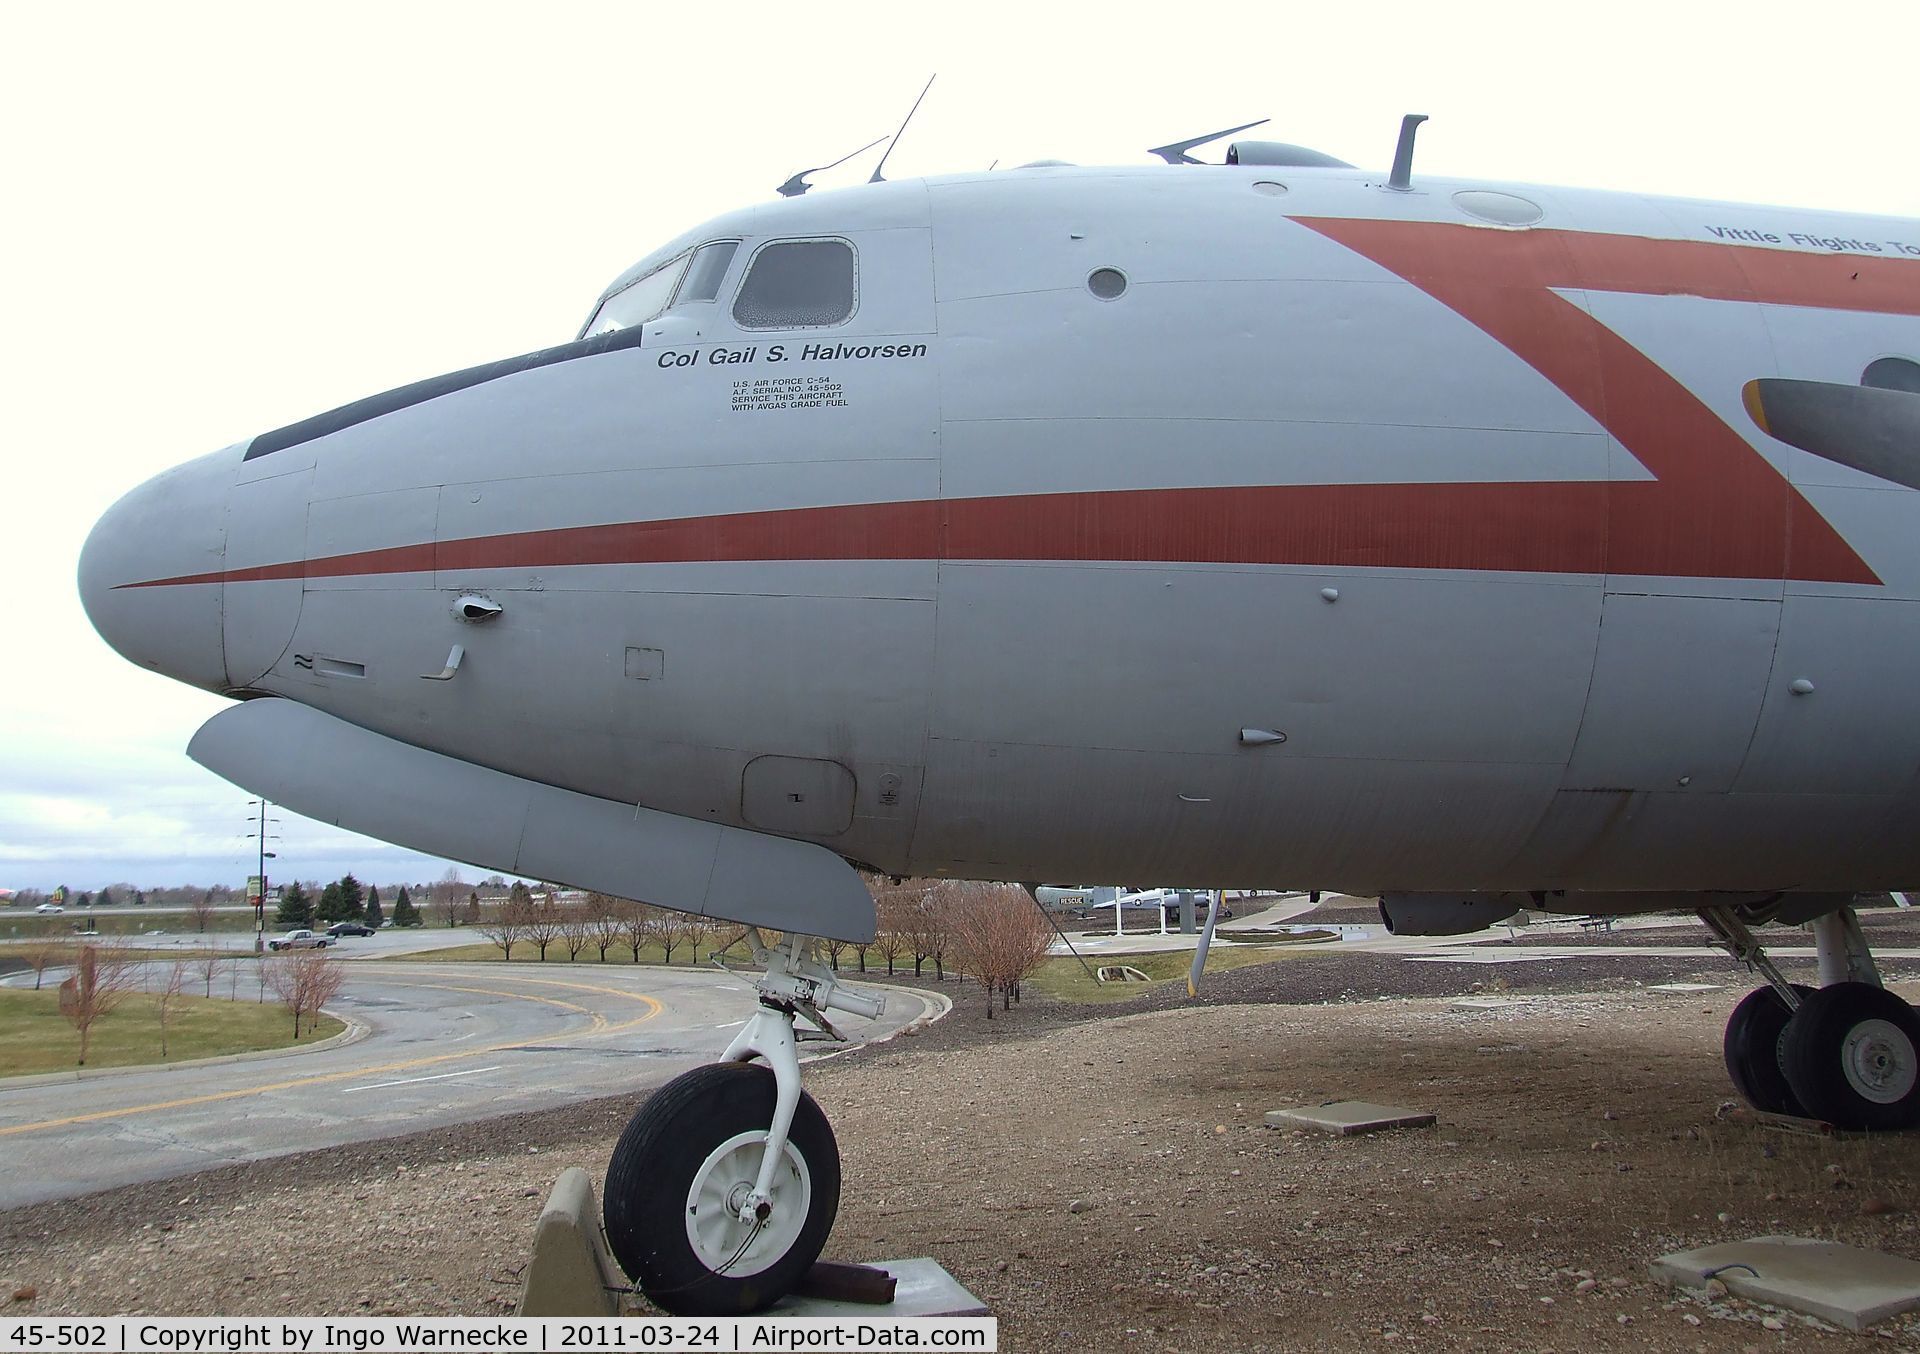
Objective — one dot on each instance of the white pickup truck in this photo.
(300, 940)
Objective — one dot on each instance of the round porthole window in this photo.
(1106, 283)
(1503, 209)
(1892, 373)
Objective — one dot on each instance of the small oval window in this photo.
(797, 284)
(1106, 283)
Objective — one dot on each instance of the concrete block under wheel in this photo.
(1846, 1285)
(571, 1272)
(1348, 1117)
(922, 1288)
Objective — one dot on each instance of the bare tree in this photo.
(1003, 936)
(42, 955)
(543, 924)
(576, 928)
(670, 928)
(202, 910)
(699, 933)
(102, 977)
(448, 894)
(210, 962)
(933, 930)
(166, 1001)
(603, 922)
(304, 981)
(896, 907)
(636, 924)
(506, 925)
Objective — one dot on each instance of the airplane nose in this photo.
(150, 572)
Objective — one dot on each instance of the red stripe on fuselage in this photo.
(1533, 527)
(1716, 508)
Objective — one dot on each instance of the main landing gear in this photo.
(1847, 1052)
(725, 1183)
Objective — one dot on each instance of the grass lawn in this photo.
(117, 921)
(1065, 979)
(39, 1039)
(1062, 977)
(684, 956)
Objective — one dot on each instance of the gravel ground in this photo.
(1104, 1181)
(1899, 927)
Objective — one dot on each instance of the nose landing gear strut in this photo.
(724, 1186)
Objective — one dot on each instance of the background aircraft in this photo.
(1476, 545)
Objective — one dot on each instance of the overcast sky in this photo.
(222, 218)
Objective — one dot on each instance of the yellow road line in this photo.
(654, 1009)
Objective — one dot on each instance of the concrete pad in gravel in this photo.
(922, 1288)
(1846, 1285)
(1684, 989)
(1348, 1117)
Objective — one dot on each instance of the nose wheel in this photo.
(679, 1213)
(723, 1187)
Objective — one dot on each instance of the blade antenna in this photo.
(797, 185)
(903, 127)
(1401, 179)
(1175, 152)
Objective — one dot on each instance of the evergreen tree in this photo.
(331, 908)
(374, 916)
(139, 897)
(404, 912)
(106, 897)
(352, 899)
(296, 909)
(473, 908)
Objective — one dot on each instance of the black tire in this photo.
(1852, 1055)
(654, 1168)
(1753, 1049)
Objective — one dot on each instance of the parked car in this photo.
(300, 940)
(49, 907)
(349, 928)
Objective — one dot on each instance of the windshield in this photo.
(637, 302)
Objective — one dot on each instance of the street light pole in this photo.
(260, 904)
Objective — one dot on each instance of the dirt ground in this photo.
(1105, 1181)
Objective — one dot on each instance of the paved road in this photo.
(444, 1043)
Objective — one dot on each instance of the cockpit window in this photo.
(706, 272)
(639, 301)
(797, 284)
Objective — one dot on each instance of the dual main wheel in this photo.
(680, 1172)
(1850, 1055)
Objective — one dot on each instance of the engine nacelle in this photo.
(1446, 914)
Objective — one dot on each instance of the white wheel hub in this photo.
(1880, 1062)
(721, 1186)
